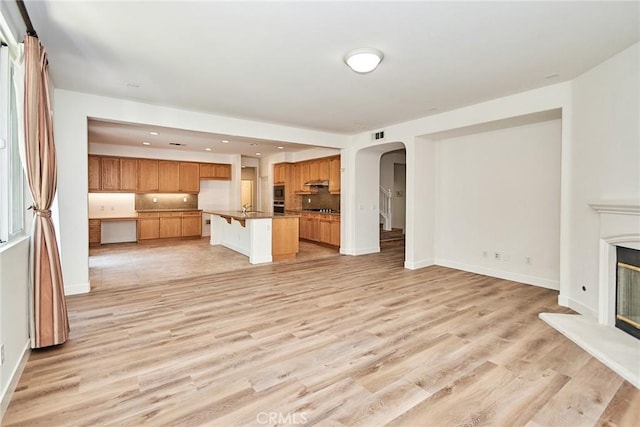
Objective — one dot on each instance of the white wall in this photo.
(105, 205)
(499, 192)
(71, 111)
(605, 164)
(14, 314)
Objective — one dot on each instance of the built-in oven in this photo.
(278, 192)
(278, 207)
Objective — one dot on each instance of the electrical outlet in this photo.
(527, 260)
(101, 208)
(184, 199)
(485, 254)
(496, 256)
(208, 222)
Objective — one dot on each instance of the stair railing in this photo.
(385, 207)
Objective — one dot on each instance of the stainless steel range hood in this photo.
(317, 183)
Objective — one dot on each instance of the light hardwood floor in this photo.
(344, 341)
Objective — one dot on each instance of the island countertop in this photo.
(238, 215)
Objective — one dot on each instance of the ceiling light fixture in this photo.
(208, 149)
(224, 141)
(258, 154)
(363, 60)
(146, 143)
(280, 148)
(154, 133)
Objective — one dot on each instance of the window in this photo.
(12, 206)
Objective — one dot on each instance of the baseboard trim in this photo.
(7, 393)
(576, 306)
(506, 275)
(82, 288)
(414, 265)
(365, 251)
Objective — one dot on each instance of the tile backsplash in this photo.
(322, 200)
(166, 201)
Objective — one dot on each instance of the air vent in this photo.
(177, 144)
(377, 135)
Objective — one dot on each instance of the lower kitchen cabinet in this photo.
(191, 224)
(95, 232)
(148, 226)
(321, 228)
(170, 224)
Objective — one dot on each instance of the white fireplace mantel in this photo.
(619, 226)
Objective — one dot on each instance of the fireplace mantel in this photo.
(619, 226)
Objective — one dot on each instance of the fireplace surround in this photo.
(596, 333)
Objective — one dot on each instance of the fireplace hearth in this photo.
(628, 290)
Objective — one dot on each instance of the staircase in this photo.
(385, 208)
(391, 238)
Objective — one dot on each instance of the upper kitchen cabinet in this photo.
(189, 177)
(303, 174)
(95, 170)
(168, 176)
(128, 175)
(334, 175)
(215, 171)
(110, 173)
(147, 176)
(323, 169)
(280, 173)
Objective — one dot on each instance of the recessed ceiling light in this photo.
(280, 148)
(225, 141)
(208, 149)
(253, 144)
(363, 60)
(258, 154)
(146, 143)
(154, 133)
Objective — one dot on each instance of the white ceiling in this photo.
(282, 62)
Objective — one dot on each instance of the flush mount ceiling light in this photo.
(154, 133)
(363, 60)
(146, 143)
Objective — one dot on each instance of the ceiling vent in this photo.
(377, 135)
(177, 144)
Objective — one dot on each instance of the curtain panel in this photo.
(49, 320)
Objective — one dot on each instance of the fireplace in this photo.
(628, 290)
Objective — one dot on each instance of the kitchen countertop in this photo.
(115, 218)
(250, 215)
(168, 210)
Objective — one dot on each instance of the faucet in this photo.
(245, 207)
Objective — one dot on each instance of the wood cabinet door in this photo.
(278, 174)
(94, 173)
(189, 177)
(168, 176)
(170, 226)
(128, 174)
(314, 170)
(335, 233)
(147, 176)
(95, 231)
(323, 167)
(303, 175)
(110, 174)
(334, 175)
(207, 170)
(324, 230)
(148, 228)
(191, 224)
(222, 171)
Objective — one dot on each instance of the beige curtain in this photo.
(49, 323)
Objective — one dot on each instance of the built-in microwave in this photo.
(278, 192)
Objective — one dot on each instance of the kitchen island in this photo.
(263, 237)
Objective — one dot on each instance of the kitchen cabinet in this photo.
(303, 175)
(189, 177)
(148, 225)
(170, 224)
(95, 232)
(191, 224)
(147, 180)
(335, 175)
(314, 170)
(168, 176)
(321, 228)
(219, 171)
(94, 173)
(110, 174)
(280, 173)
(323, 169)
(128, 174)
